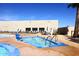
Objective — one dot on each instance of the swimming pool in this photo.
(8, 50)
(41, 42)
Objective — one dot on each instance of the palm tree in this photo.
(76, 29)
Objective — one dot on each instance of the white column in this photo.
(38, 29)
(45, 29)
(31, 28)
(51, 31)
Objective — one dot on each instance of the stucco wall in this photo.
(14, 25)
(70, 31)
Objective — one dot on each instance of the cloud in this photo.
(7, 17)
(32, 18)
(10, 18)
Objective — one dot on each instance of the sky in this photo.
(38, 11)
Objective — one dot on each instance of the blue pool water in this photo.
(41, 42)
(5, 35)
(8, 50)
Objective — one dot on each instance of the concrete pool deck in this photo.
(29, 50)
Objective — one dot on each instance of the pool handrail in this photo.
(47, 39)
(51, 41)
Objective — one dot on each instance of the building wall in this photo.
(66, 30)
(14, 25)
(70, 31)
(63, 30)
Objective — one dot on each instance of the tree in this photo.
(76, 29)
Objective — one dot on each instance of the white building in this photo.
(70, 31)
(34, 25)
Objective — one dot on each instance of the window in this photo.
(34, 29)
(41, 29)
(28, 29)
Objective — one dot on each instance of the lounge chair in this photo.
(18, 36)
